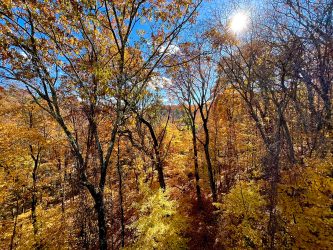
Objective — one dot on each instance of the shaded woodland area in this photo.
(166, 124)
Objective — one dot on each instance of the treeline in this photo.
(118, 129)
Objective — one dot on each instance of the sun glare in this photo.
(239, 22)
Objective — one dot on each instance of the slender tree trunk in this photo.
(159, 166)
(210, 173)
(274, 168)
(63, 193)
(273, 171)
(62, 170)
(315, 118)
(122, 222)
(158, 159)
(111, 214)
(289, 141)
(11, 247)
(34, 202)
(209, 162)
(325, 95)
(34, 185)
(196, 166)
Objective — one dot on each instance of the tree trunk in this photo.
(111, 213)
(273, 171)
(196, 166)
(209, 162)
(100, 210)
(159, 166)
(11, 247)
(274, 178)
(122, 222)
(289, 140)
(62, 170)
(210, 173)
(34, 202)
(34, 184)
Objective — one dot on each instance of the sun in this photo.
(239, 22)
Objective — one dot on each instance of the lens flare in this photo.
(239, 22)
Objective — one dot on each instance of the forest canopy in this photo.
(166, 124)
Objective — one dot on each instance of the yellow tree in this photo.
(26, 157)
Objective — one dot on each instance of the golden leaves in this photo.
(159, 225)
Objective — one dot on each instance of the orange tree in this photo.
(95, 52)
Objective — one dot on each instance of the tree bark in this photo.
(100, 210)
(34, 183)
(34, 204)
(274, 178)
(288, 139)
(209, 162)
(196, 165)
(34, 199)
(159, 164)
(120, 190)
(11, 247)
(160, 172)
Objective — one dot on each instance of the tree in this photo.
(182, 89)
(196, 88)
(314, 33)
(259, 72)
(89, 51)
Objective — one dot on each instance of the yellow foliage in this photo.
(159, 225)
(54, 229)
(242, 220)
(305, 204)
